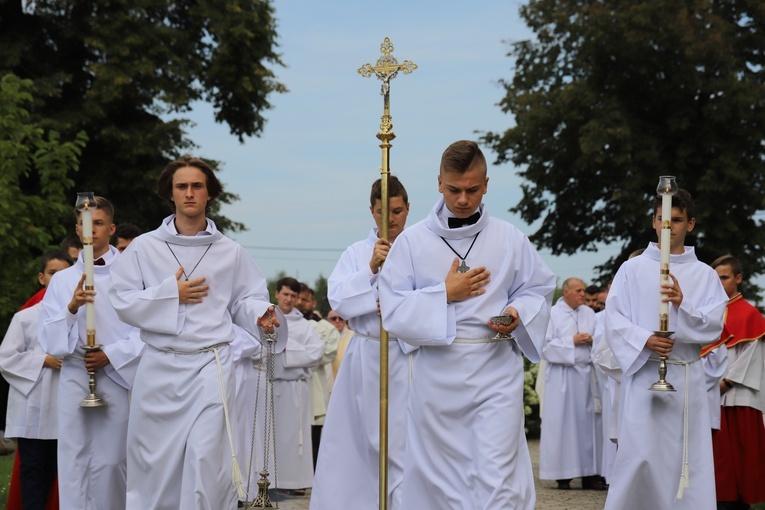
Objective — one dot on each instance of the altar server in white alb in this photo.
(444, 278)
(185, 285)
(350, 442)
(33, 378)
(664, 458)
(569, 445)
(292, 395)
(92, 441)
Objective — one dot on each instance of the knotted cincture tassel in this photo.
(236, 477)
(685, 476)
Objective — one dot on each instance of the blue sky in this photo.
(304, 184)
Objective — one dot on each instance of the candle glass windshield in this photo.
(85, 199)
(667, 185)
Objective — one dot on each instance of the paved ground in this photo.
(548, 498)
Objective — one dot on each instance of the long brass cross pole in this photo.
(386, 68)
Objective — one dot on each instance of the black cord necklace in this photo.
(195, 265)
(463, 268)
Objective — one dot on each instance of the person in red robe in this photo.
(739, 445)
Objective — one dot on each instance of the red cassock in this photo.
(739, 445)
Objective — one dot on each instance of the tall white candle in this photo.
(85, 204)
(666, 188)
(666, 215)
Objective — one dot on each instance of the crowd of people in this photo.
(210, 388)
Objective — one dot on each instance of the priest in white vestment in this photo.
(350, 442)
(292, 395)
(664, 458)
(466, 445)
(569, 446)
(185, 285)
(92, 441)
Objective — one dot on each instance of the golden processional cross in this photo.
(386, 68)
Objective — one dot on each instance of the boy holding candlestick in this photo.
(92, 441)
(663, 461)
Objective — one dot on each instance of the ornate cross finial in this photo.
(387, 67)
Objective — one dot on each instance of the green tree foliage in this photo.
(610, 95)
(320, 292)
(117, 69)
(29, 222)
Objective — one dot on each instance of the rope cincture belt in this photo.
(684, 474)
(236, 473)
(410, 356)
(480, 340)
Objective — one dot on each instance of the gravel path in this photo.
(548, 497)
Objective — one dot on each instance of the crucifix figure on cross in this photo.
(387, 67)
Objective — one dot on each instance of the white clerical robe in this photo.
(609, 378)
(567, 447)
(350, 440)
(292, 405)
(179, 449)
(322, 377)
(466, 446)
(652, 429)
(715, 365)
(32, 410)
(92, 441)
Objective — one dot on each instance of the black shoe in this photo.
(564, 485)
(593, 483)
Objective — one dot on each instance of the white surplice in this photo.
(179, 455)
(92, 441)
(652, 431)
(292, 405)
(609, 378)
(466, 446)
(715, 365)
(33, 393)
(350, 440)
(568, 446)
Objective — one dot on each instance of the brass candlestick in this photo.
(662, 384)
(386, 68)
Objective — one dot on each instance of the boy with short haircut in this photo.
(33, 377)
(665, 449)
(92, 450)
(350, 440)
(444, 279)
(739, 445)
